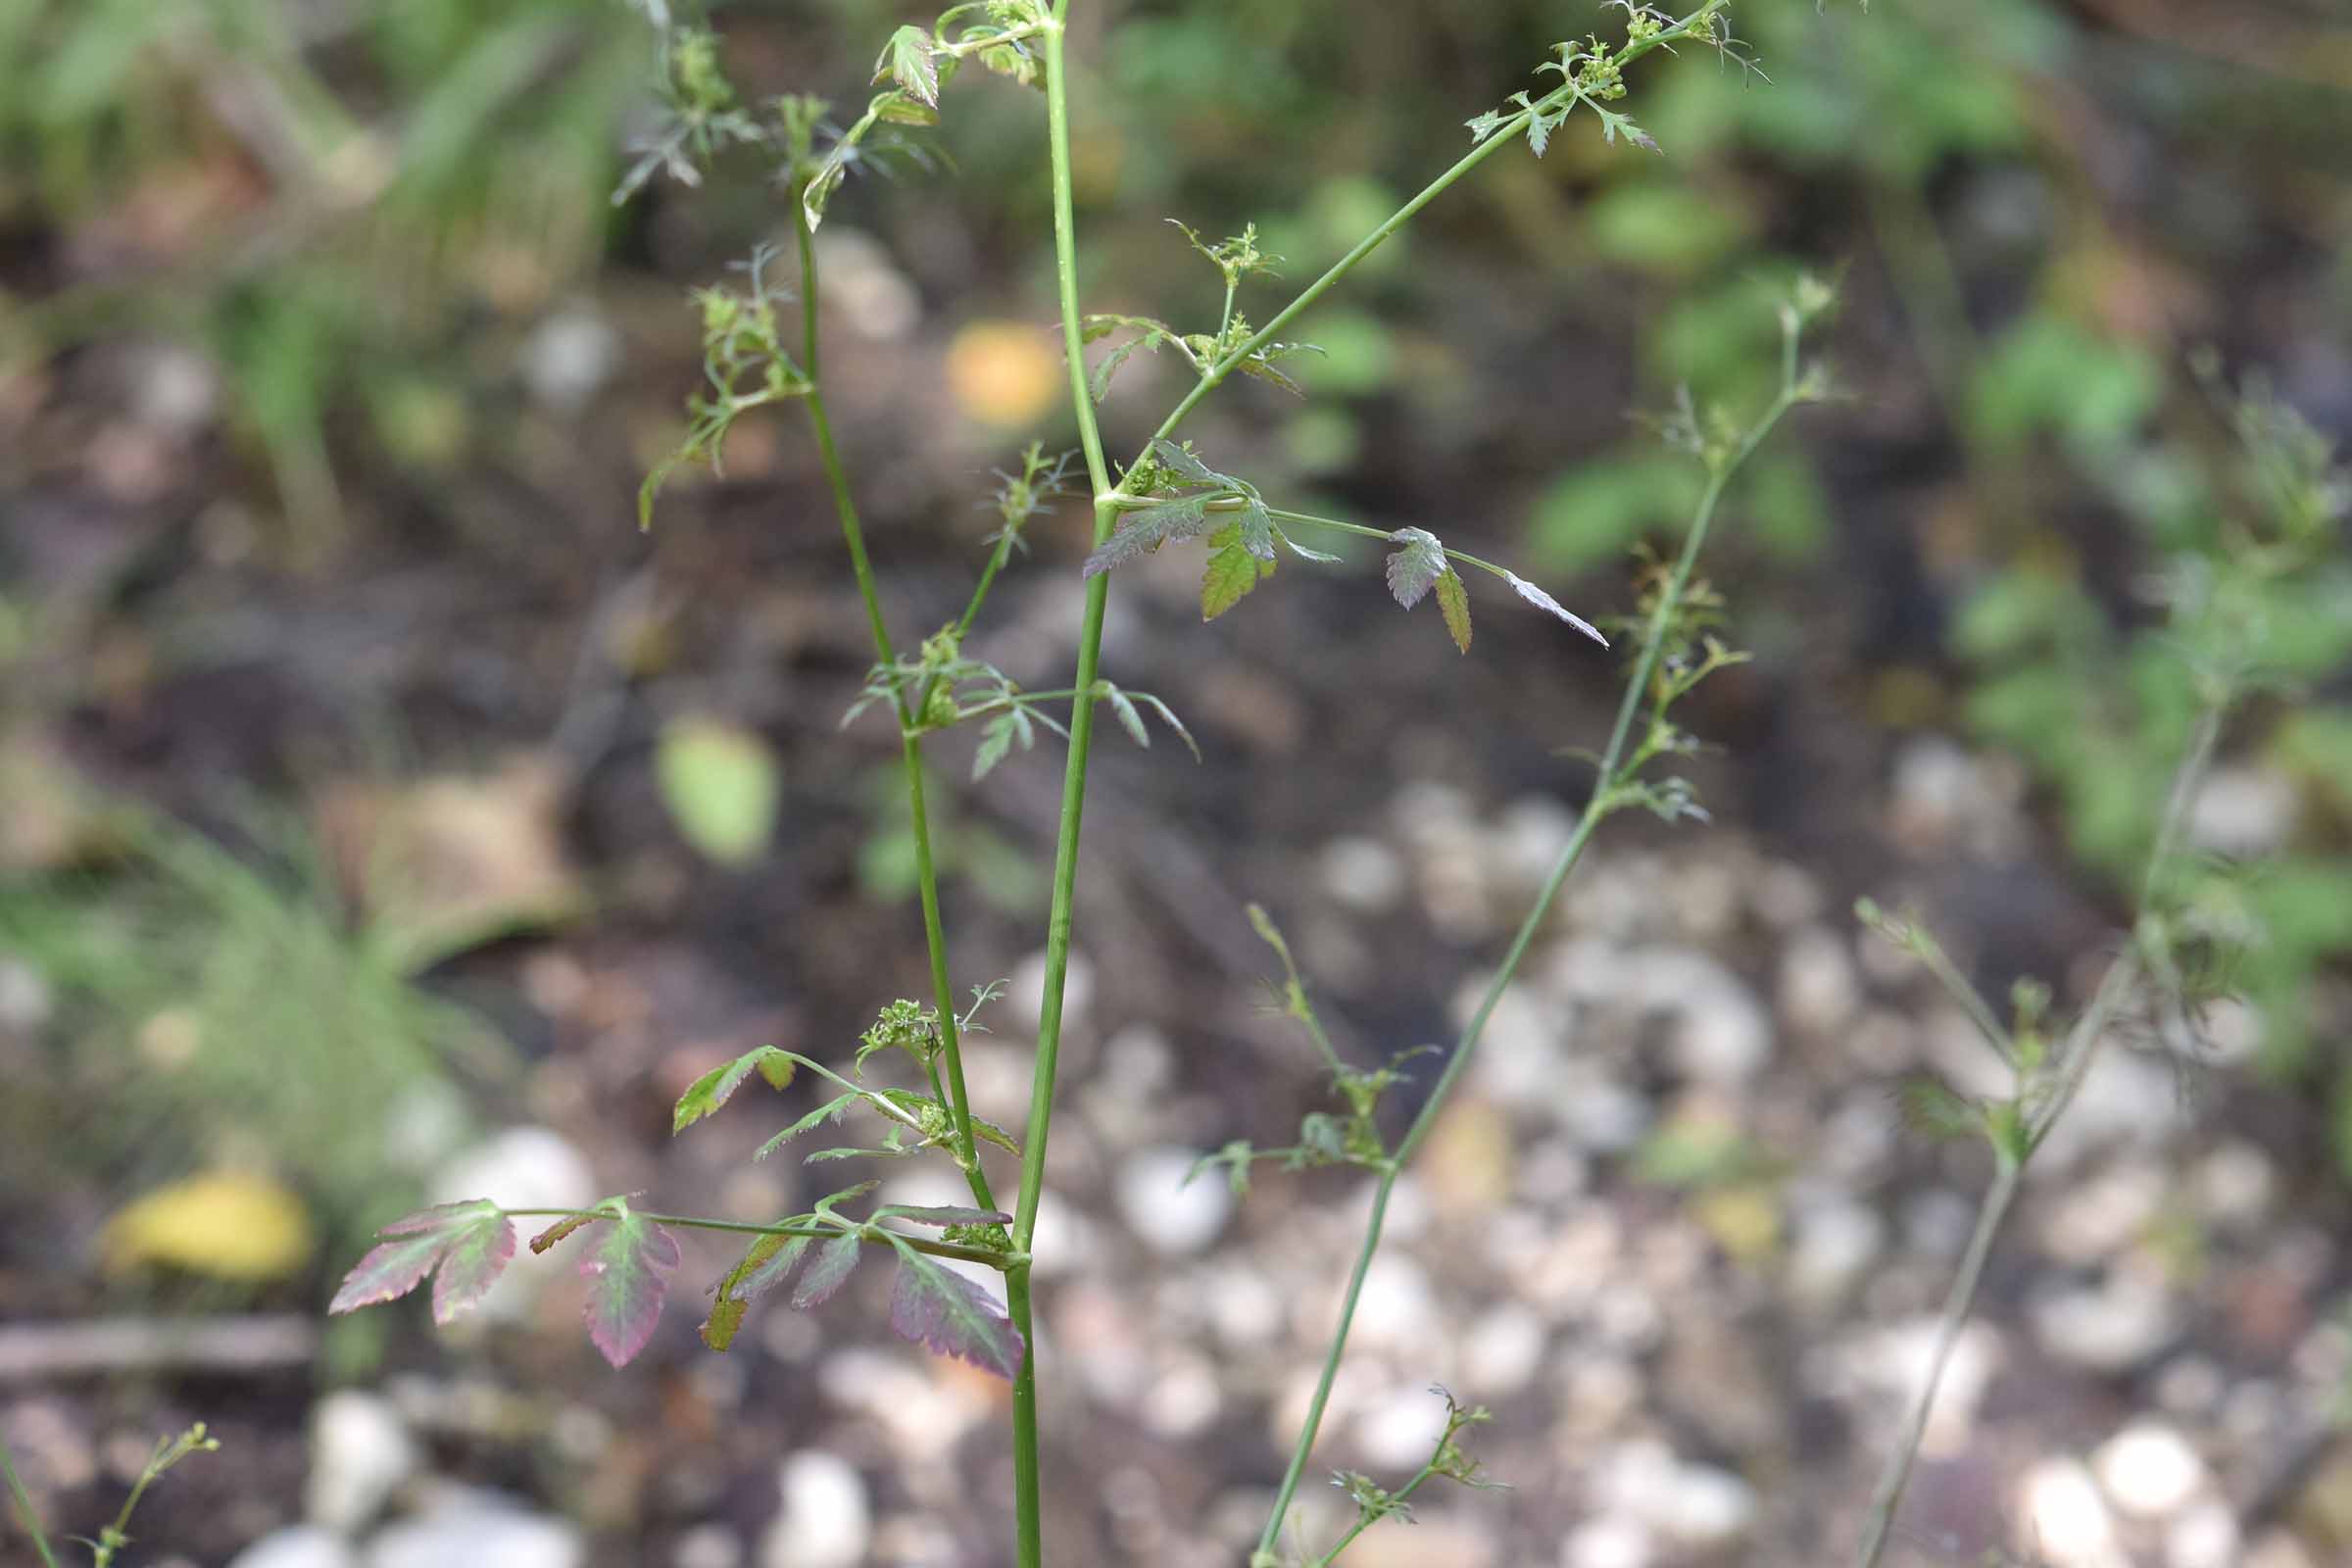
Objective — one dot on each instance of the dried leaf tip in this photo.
(1544, 601)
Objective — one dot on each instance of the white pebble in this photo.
(1611, 1541)
(1172, 1216)
(1363, 875)
(2111, 1327)
(360, 1452)
(2205, 1537)
(297, 1546)
(1500, 1352)
(2064, 1519)
(1025, 996)
(1820, 989)
(826, 1521)
(2149, 1470)
(1709, 1509)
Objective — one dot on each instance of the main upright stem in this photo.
(911, 751)
(1028, 1500)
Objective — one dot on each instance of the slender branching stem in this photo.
(853, 533)
(1897, 1473)
(865, 1229)
(26, 1514)
(1401, 1495)
(1605, 799)
(1505, 133)
(2082, 1045)
(1090, 643)
(1029, 1529)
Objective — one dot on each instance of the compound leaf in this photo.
(471, 1242)
(763, 1267)
(714, 1088)
(944, 1215)
(1181, 461)
(476, 1254)
(1544, 601)
(627, 1275)
(948, 1314)
(835, 1261)
(1186, 517)
(1129, 719)
(1233, 570)
(907, 61)
(1453, 601)
(1414, 571)
(995, 743)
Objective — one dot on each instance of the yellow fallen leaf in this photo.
(1005, 373)
(226, 1224)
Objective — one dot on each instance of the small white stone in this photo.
(2111, 1327)
(1363, 875)
(25, 999)
(2149, 1470)
(1708, 1508)
(708, 1546)
(1173, 1216)
(1895, 1361)
(1602, 1114)
(1243, 1307)
(2236, 1184)
(2095, 1219)
(1786, 895)
(1066, 1241)
(1611, 1541)
(1626, 1317)
(1820, 989)
(864, 284)
(569, 357)
(1837, 1241)
(1397, 1429)
(2064, 1519)
(360, 1452)
(2128, 1099)
(1637, 1478)
(1725, 1034)
(477, 1530)
(1025, 996)
(1502, 1349)
(1184, 1400)
(298, 1547)
(1398, 1306)
(519, 1167)
(1520, 1054)
(2244, 811)
(826, 1521)
(2205, 1537)
(1527, 840)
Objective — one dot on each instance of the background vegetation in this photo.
(373, 785)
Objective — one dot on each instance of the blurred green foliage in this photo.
(327, 199)
(222, 1010)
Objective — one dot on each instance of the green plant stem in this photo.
(1029, 1542)
(736, 1227)
(26, 1514)
(1361, 1525)
(1509, 132)
(1028, 1499)
(853, 533)
(1897, 1473)
(2083, 1042)
(1603, 801)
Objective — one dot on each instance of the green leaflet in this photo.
(1453, 601)
(1234, 569)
